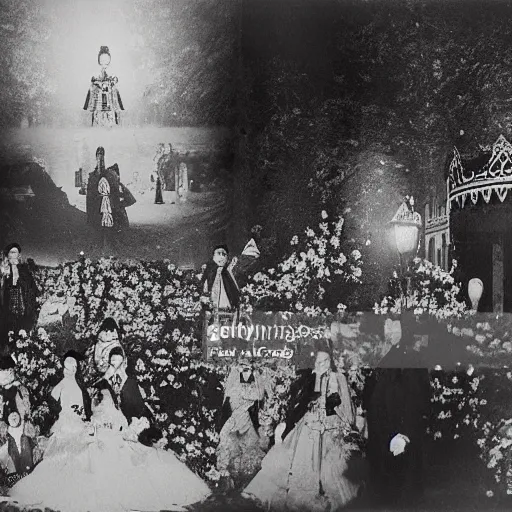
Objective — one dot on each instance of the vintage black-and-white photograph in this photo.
(256, 255)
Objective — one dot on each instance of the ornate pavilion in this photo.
(472, 222)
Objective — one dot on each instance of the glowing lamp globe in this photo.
(407, 224)
(475, 290)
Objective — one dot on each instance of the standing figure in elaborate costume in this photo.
(307, 467)
(240, 450)
(158, 191)
(397, 400)
(103, 99)
(18, 295)
(103, 198)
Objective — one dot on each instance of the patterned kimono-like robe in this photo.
(103, 100)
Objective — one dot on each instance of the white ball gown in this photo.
(103, 472)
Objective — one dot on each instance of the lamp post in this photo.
(406, 224)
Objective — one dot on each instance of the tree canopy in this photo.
(358, 103)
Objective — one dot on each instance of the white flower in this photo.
(324, 214)
(356, 254)
(489, 494)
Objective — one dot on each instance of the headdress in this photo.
(114, 168)
(116, 351)
(103, 51)
(109, 324)
(12, 246)
(222, 246)
(73, 354)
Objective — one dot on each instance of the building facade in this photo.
(472, 222)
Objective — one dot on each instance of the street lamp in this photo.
(406, 224)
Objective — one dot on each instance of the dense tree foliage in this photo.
(355, 104)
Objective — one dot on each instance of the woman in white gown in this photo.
(100, 466)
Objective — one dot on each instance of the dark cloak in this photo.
(397, 400)
(29, 292)
(228, 281)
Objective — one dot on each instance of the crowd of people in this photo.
(325, 455)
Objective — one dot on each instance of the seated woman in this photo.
(106, 469)
(127, 396)
(69, 441)
(307, 468)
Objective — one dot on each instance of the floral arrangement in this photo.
(298, 283)
(493, 432)
(37, 368)
(426, 289)
(159, 310)
(280, 378)
(487, 336)
(496, 452)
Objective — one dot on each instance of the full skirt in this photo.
(306, 472)
(105, 473)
